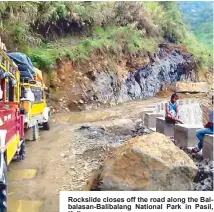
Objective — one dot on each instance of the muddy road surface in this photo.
(66, 156)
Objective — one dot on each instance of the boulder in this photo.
(150, 162)
(196, 87)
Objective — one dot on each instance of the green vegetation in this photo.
(199, 16)
(47, 31)
(199, 50)
(116, 40)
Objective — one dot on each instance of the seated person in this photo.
(29, 95)
(172, 110)
(208, 129)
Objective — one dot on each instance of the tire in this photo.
(22, 151)
(21, 154)
(3, 189)
(35, 131)
(46, 126)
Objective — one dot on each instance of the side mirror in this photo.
(46, 89)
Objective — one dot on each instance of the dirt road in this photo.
(65, 157)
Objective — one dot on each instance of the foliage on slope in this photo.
(116, 27)
(199, 16)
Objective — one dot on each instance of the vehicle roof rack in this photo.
(27, 80)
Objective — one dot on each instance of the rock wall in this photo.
(166, 68)
(89, 84)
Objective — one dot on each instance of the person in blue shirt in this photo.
(208, 129)
(172, 110)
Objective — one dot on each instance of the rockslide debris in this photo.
(150, 162)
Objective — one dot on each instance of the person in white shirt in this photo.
(29, 95)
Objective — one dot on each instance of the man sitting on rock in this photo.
(208, 129)
(172, 110)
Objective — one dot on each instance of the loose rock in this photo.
(150, 162)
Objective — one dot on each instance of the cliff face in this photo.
(82, 86)
(166, 68)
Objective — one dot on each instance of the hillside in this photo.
(104, 52)
(199, 16)
(92, 25)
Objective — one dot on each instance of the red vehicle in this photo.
(11, 122)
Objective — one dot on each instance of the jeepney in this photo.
(35, 109)
(12, 142)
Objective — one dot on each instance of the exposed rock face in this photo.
(88, 85)
(165, 68)
(199, 87)
(150, 162)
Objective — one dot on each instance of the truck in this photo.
(32, 96)
(12, 141)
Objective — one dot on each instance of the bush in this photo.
(118, 40)
(43, 59)
(203, 55)
(119, 27)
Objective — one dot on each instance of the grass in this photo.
(122, 40)
(32, 23)
(118, 40)
(201, 51)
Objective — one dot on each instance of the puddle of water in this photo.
(86, 117)
(21, 174)
(24, 205)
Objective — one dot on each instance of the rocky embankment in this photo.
(104, 81)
